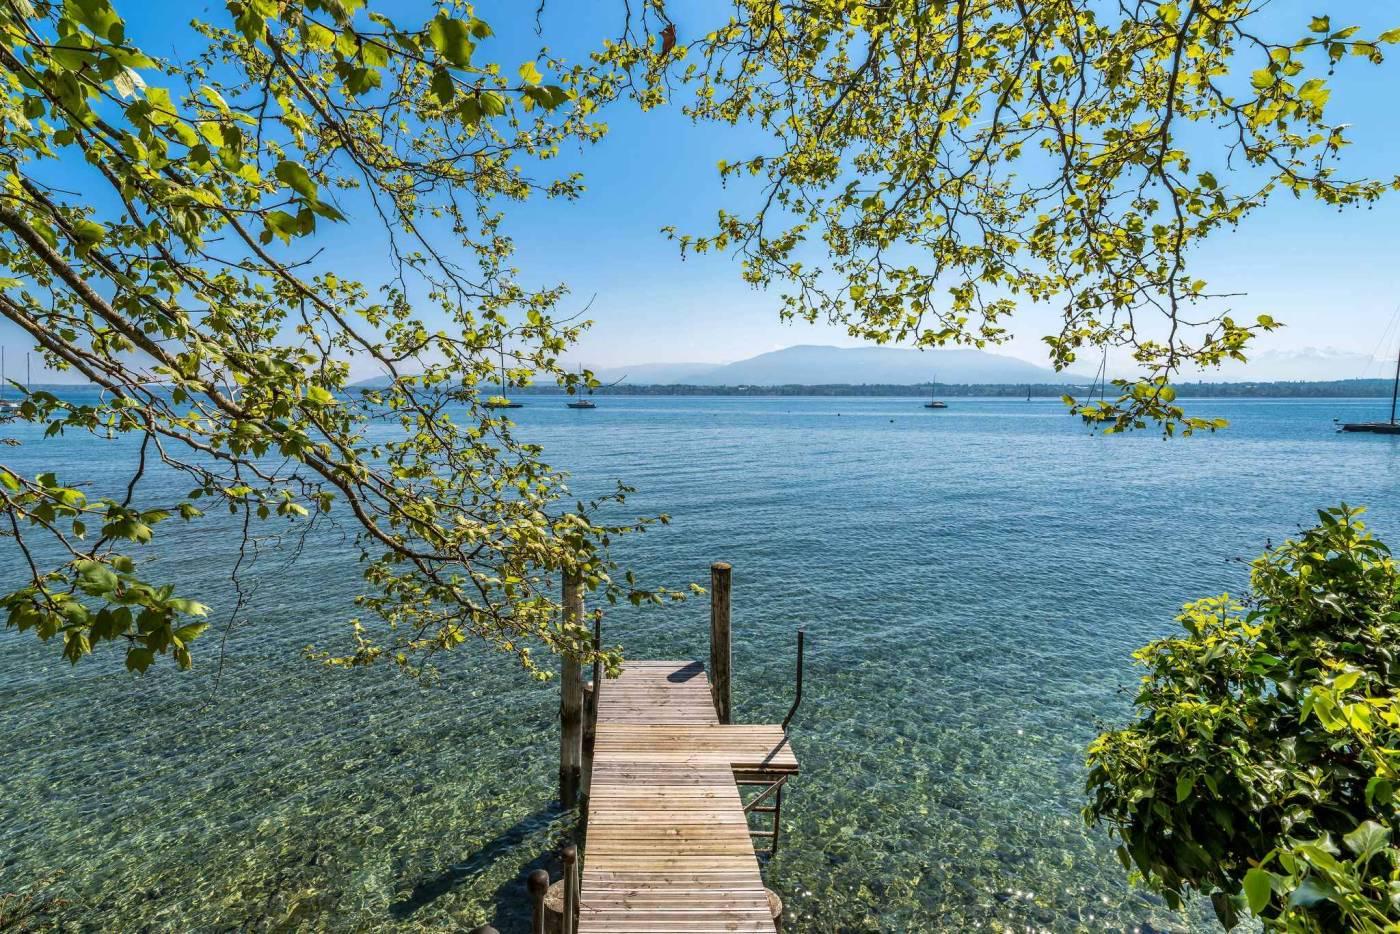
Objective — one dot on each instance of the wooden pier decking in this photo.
(668, 840)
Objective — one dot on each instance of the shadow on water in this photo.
(512, 900)
(547, 828)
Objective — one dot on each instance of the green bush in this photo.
(1263, 768)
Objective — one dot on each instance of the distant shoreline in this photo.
(1297, 389)
(1331, 389)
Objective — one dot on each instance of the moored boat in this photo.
(934, 402)
(1381, 428)
(582, 403)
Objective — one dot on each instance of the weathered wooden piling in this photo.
(571, 701)
(537, 884)
(721, 655)
(570, 925)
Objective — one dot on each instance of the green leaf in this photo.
(469, 111)
(190, 632)
(1184, 785)
(319, 395)
(249, 20)
(1310, 893)
(295, 177)
(282, 225)
(1258, 886)
(549, 97)
(374, 55)
(96, 579)
(139, 659)
(359, 80)
(450, 37)
(491, 103)
(1367, 839)
(443, 87)
(185, 133)
(530, 74)
(87, 234)
(317, 36)
(1346, 680)
(96, 15)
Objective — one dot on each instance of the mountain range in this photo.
(810, 364)
(817, 365)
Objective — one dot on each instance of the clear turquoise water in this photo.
(973, 582)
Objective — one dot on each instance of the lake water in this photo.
(973, 582)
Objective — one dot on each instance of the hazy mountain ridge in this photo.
(813, 364)
(821, 365)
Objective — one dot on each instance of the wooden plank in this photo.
(668, 841)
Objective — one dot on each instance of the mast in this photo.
(1395, 390)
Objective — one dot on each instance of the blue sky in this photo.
(1333, 278)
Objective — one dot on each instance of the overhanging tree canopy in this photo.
(933, 163)
(176, 282)
(936, 162)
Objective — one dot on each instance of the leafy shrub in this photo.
(1263, 769)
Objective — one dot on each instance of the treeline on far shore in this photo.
(1298, 389)
(1330, 389)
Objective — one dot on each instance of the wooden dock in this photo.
(669, 848)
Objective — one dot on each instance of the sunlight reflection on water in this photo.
(973, 582)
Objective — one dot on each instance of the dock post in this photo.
(537, 883)
(571, 700)
(570, 890)
(721, 656)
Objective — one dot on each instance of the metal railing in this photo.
(797, 700)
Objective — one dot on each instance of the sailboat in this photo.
(933, 402)
(7, 406)
(1382, 428)
(582, 403)
(501, 402)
